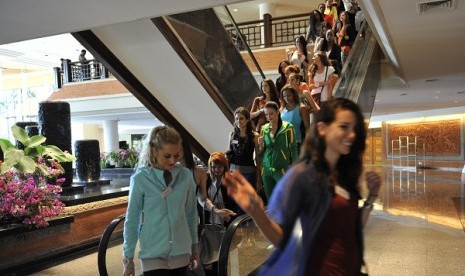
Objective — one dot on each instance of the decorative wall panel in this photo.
(439, 138)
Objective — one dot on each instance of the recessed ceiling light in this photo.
(436, 97)
(403, 94)
(235, 10)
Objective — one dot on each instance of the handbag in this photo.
(210, 243)
(210, 239)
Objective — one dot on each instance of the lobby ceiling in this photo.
(423, 72)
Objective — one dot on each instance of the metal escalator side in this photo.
(202, 41)
(361, 74)
(243, 248)
(200, 81)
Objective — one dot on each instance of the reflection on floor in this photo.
(417, 228)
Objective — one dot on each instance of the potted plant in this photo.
(128, 158)
(29, 180)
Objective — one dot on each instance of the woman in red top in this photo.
(257, 112)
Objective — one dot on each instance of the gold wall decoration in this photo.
(440, 138)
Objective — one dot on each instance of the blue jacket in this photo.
(298, 197)
(169, 223)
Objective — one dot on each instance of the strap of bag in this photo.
(326, 75)
(213, 202)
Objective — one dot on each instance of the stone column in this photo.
(110, 135)
(268, 9)
(54, 120)
(32, 130)
(87, 154)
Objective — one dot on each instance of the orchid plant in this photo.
(30, 180)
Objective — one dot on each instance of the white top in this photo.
(318, 78)
(296, 60)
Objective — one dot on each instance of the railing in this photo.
(233, 256)
(78, 71)
(361, 72)
(105, 240)
(269, 32)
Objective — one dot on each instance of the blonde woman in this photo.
(161, 212)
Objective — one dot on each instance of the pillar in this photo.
(270, 10)
(32, 130)
(54, 120)
(87, 154)
(110, 135)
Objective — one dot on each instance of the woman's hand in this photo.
(195, 261)
(225, 214)
(373, 181)
(128, 267)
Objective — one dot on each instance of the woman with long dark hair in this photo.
(320, 195)
(277, 147)
(257, 112)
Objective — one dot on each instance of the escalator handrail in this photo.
(103, 245)
(244, 40)
(223, 254)
(352, 62)
(226, 242)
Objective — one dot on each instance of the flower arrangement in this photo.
(30, 180)
(125, 158)
(28, 199)
(128, 157)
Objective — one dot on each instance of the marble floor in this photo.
(417, 228)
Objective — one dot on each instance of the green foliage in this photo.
(30, 160)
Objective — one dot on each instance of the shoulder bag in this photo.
(210, 238)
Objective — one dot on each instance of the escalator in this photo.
(199, 42)
(361, 73)
(183, 68)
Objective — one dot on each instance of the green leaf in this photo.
(55, 153)
(36, 140)
(5, 167)
(20, 134)
(5, 144)
(12, 156)
(26, 165)
(42, 169)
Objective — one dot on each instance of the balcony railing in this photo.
(77, 71)
(266, 33)
(269, 32)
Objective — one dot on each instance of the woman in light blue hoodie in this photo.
(162, 212)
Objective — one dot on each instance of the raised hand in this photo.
(241, 191)
(373, 182)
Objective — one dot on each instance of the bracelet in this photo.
(367, 205)
(128, 263)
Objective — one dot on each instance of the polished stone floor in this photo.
(417, 228)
